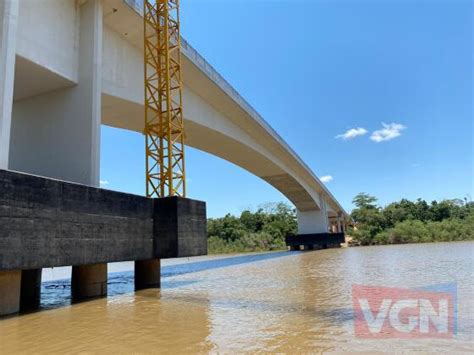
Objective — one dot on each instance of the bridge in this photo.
(67, 67)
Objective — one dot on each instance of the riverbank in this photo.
(397, 223)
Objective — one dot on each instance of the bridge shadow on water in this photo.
(57, 293)
(175, 270)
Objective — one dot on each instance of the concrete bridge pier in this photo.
(147, 274)
(314, 221)
(89, 281)
(10, 285)
(8, 33)
(30, 294)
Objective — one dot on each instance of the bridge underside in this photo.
(81, 67)
(65, 89)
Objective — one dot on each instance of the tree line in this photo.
(399, 222)
(262, 230)
(411, 222)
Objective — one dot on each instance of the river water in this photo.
(292, 302)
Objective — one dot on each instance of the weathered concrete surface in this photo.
(147, 274)
(178, 221)
(89, 281)
(48, 223)
(30, 296)
(10, 283)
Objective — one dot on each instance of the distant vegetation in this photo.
(411, 222)
(262, 230)
(399, 222)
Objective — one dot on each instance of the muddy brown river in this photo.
(291, 302)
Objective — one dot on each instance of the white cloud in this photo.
(326, 178)
(104, 182)
(352, 133)
(388, 132)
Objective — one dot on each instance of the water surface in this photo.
(277, 302)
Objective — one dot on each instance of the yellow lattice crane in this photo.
(164, 129)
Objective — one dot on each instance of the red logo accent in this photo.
(385, 312)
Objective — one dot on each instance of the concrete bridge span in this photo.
(68, 66)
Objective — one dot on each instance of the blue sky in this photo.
(317, 69)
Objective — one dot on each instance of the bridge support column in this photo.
(57, 134)
(89, 281)
(315, 221)
(30, 296)
(147, 274)
(8, 26)
(10, 284)
(310, 222)
(339, 224)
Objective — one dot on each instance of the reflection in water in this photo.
(58, 293)
(281, 302)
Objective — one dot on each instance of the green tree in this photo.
(411, 222)
(364, 201)
(264, 229)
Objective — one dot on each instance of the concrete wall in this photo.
(48, 223)
(177, 222)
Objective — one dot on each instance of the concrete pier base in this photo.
(10, 283)
(147, 274)
(315, 241)
(89, 281)
(30, 295)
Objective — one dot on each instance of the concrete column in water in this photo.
(10, 283)
(339, 223)
(147, 274)
(89, 281)
(8, 29)
(30, 296)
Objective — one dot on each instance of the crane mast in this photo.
(164, 128)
